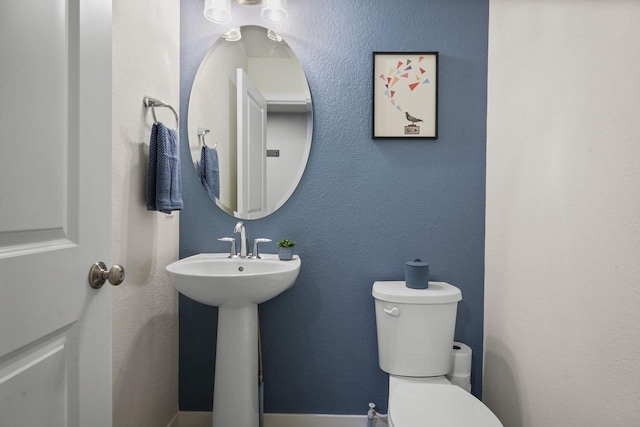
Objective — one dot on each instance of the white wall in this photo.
(562, 293)
(146, 59)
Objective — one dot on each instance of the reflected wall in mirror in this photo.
(250, 122)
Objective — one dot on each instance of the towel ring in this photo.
(150, 102)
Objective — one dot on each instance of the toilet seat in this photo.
(442, 405)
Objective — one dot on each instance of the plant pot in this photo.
(285, 254)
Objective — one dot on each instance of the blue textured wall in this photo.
(363, 207)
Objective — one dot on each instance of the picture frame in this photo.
(405, 95)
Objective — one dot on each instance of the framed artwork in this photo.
(405, 95)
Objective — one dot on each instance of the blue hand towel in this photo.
(164, 188)
(210, 171)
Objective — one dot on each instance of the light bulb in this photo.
(274, 10)
(218, 11)
(233, 35)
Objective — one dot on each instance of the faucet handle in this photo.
(232, 253)
(255, 254)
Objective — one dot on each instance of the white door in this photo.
(55, 161)
(252, 147)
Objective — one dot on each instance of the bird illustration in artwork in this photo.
(412, 119)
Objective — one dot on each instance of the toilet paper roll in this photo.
(461, 366)
(463, 382)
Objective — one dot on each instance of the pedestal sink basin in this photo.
(236, 286)
(215, 279)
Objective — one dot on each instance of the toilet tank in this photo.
(415, 327)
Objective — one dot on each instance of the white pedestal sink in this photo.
(236, 286)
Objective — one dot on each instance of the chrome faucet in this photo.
(240, 228)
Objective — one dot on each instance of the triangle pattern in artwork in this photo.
(412, 86)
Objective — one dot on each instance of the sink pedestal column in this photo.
(235, 395)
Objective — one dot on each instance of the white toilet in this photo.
(415, 339)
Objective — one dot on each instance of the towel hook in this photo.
(150, 102)
(202, 132)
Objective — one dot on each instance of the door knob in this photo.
(98, 274)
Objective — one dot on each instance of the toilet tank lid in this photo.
(436, 293)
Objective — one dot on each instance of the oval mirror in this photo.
(250, 122)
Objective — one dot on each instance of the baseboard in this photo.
(314, 420)
(191, 419)
(203, 419)
(174, 421)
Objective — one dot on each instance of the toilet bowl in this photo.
(415, 339)
(435, 401)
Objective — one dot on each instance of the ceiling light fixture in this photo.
(219, 11)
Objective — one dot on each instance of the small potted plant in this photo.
(285, 249)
